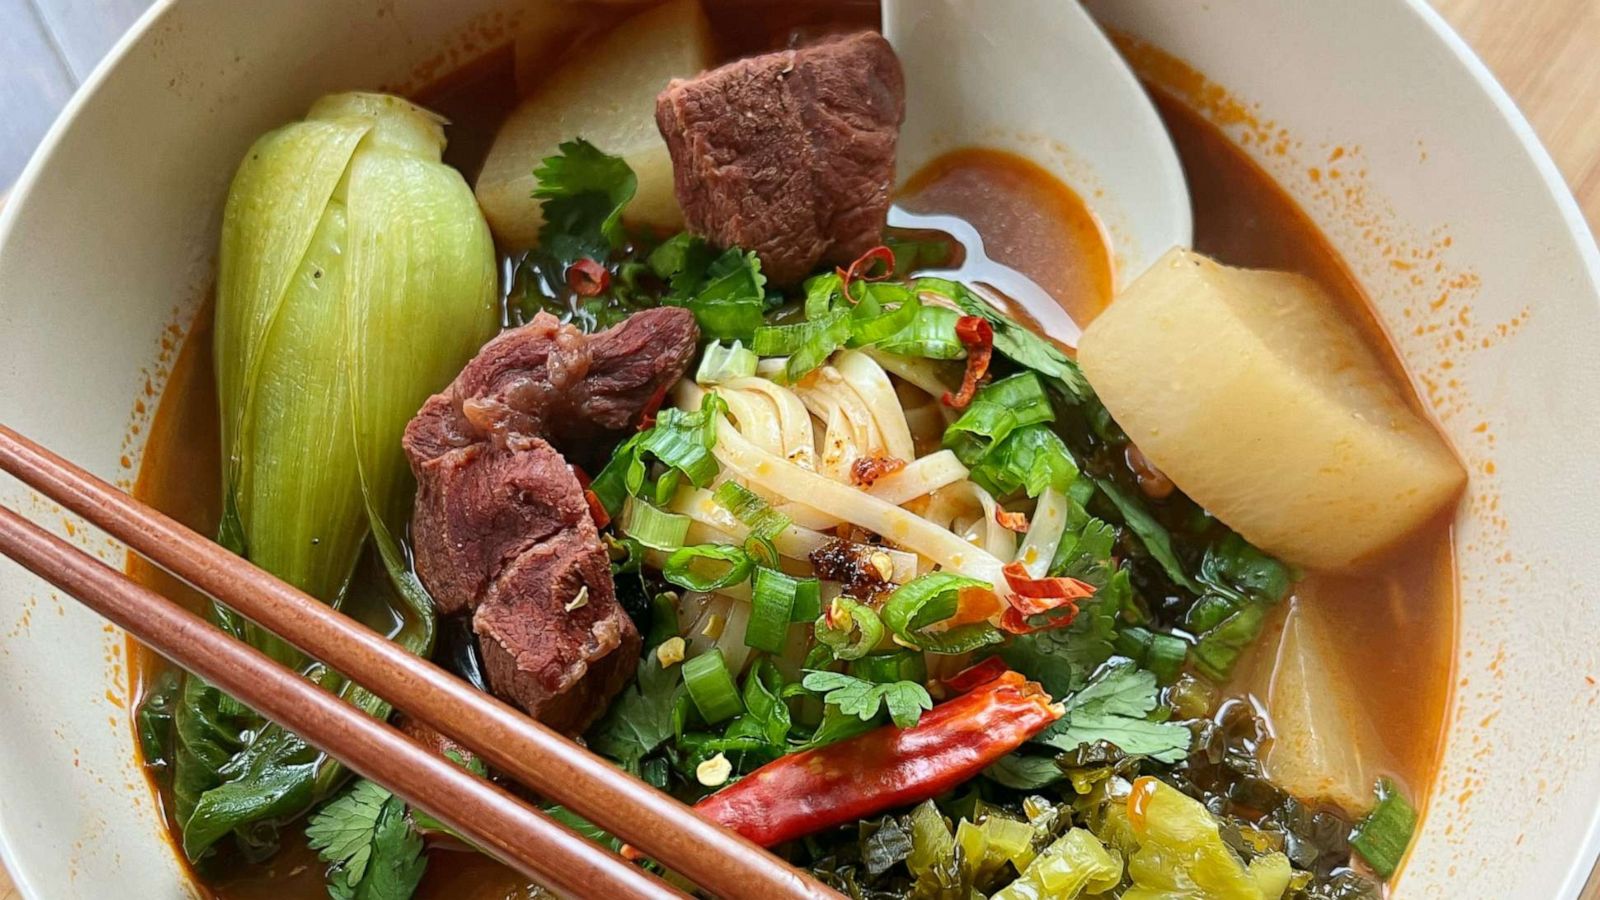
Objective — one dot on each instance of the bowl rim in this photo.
(1578, 870)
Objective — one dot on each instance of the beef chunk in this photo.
(501, 528)
(434, 741)
(562, 664)
(479, 507)
(577, 391)
(789, 154)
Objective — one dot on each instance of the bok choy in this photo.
(356, 277)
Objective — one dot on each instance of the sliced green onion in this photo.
(1030, 459)
(611, 485)
(928, 600)
(731, 302)
(711, 687)
(721, 363)
(931, 335)
(1023, 394)
(683, 441)
(870, 324)
(655, 528)
(823, 292)
(887, 668)
(772, 602)
(679, 571)
(1383, 836)
(750, 508)
(667, 486)
(783, 340)
(996, 411)
(834, 334)
(854, 630)
(1163, 654)
(807, 600)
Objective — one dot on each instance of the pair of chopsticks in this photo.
(497, 822)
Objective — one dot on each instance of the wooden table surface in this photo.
(1545, 52)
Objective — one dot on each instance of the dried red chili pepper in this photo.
(977, 335)
(860, 270)
(588, 278)
(885, 768)
(1032, 596)
(976, 674)
(868, 469)
(1011, 521)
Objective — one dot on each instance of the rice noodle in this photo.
(757, 417)
(921, 477)
(870, 383)
(924, 373)
(1045, 529)
(794, 420)
(968, 511)
(839, 445)
(795, 542)
(697, 610)
(904, 529)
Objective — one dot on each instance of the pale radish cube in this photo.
(605, 94)
(550, 34)
(1256, 397)
(1325, 746)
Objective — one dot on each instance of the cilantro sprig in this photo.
(1114, 707)
(374, 852)
(905, 700)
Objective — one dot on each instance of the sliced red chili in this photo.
(886, 768)
(1011, 521)
(977, 335)
(588, 278)
(597, 510)
(976, 674)
(1033, 596)
(861, 270)
(647, 419)
(1012, 621)
(868, 469)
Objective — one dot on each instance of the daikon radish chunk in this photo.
(605, 94)
(1325, 746)
(1253, 394)
(552, 33)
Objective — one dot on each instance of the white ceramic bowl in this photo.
(1445, 206)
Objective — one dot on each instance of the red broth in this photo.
(1395, 621)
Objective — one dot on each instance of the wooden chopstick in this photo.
(491, 818)
(656, 824)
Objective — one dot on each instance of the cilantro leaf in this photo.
(1113, 707)
(374, 852)
(640, 719)
(905, 700)
(726, 292)
(1063, 659)
(1025, 771)
(583, 192)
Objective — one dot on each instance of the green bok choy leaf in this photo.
(356, 277)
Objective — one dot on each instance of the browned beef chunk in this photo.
(789, 154)
(434, 741)
(577, 391)
(501, 527)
